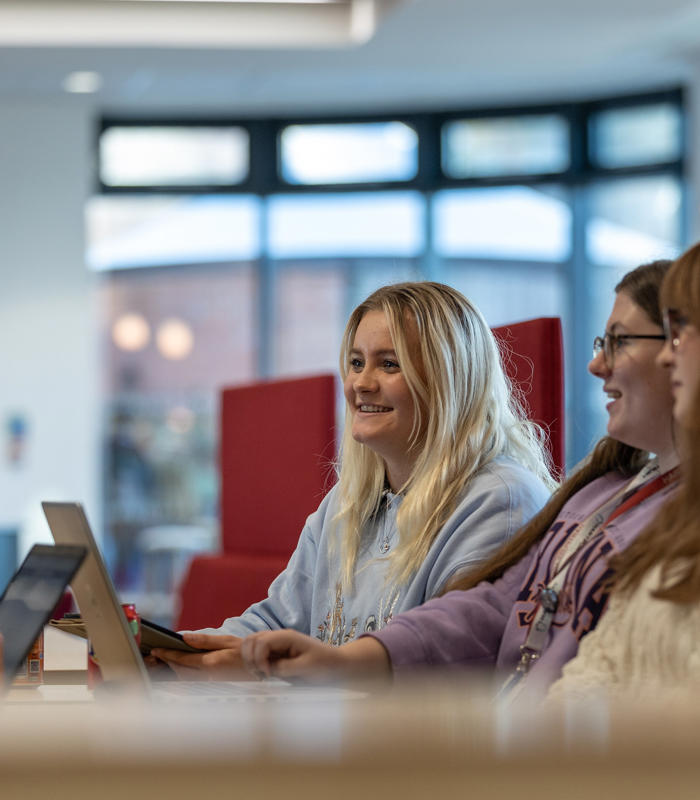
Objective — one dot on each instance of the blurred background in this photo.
(196, 194)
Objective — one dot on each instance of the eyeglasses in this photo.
(610, 343)
(674, 323)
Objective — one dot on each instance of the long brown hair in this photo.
(672, 540)
(642, 285)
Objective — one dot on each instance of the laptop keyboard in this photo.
(249, 691)
(222, 688)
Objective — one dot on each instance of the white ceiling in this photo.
(423, 54)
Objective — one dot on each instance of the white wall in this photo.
(48, 342)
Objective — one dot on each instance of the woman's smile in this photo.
(380, 402)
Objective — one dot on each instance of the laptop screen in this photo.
(31, 596)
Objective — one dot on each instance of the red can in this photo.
(133, 620)
(94, 673)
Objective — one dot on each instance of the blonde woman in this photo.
(521, 615)
(438, 468)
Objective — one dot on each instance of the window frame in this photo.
(265, 174)
(265, 179)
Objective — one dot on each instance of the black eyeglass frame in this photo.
(674, 322)
(606, 343)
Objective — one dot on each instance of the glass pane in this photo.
(173, 156)
(625, 137)
(352, 153)
(142, 231)
(380, 223)
(514, 222)
(493, 146)
(309, 319)
(145, 316)
(170, 340)
(160, 475)
(369, 274)
(633, 220)
(510, 293)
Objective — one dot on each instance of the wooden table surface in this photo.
(425, 740)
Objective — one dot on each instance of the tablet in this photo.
(152, 634)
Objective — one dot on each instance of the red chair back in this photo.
(533, 357)
(276, 453)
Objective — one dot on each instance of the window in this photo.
(173, 156)
(493, 146)
(151, 230)
(309, 318)
(161, 399)
(537, 290)
(633, 220)
(516, 222)
(353, 153)
(625, 137)
(357, 224)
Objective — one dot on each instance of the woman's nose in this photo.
(365, 381)
(665, 356)
(598, 366)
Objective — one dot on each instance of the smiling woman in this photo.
(523, 612)
(639, 407)
(646, 646)
(438, 468)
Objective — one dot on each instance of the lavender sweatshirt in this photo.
(485, 626)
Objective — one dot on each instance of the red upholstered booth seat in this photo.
(277, 444)
(276, 452)
(218, 583)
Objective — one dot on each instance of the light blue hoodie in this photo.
(495, 504)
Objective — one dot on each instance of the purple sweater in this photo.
(485, 626)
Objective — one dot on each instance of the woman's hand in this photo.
(290, 654)
(222, 662)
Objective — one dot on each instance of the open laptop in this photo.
(29, 598)
(114, 644)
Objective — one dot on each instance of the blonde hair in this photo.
(465, 416)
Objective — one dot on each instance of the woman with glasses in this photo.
(647, 643)
(523, 613)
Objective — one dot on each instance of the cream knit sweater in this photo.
(642, 647)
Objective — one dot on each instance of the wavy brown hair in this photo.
(672, 540)
(642, 285)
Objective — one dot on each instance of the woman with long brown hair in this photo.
(524, 612)
(648, 640)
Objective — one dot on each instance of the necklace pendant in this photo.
(527, 658)
(549, 599)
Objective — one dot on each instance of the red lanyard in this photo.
(548, 601)
(643, 492)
